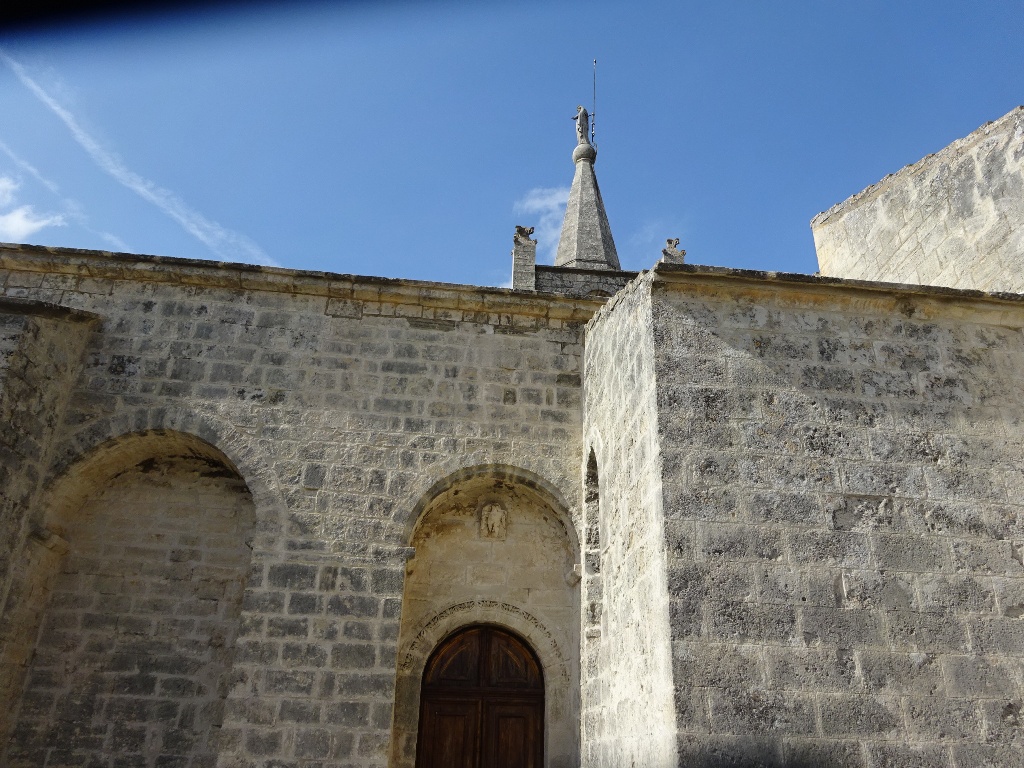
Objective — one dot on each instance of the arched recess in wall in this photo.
(493, 546)
(112, 436)
(592, 599)
(493, 472)
(129, 606)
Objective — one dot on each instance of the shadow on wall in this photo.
(728, 762)
(766, 759)
(127, 628)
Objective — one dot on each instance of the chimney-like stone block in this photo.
(524, 263)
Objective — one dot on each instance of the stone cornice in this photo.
(103, 265)
(908, 300)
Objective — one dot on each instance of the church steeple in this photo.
(586, 241)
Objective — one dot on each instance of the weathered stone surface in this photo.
(586, 240)
(142, 621)
(580, 282)
(832, 570)
(629, 715)
(955, 218)
(340, 402)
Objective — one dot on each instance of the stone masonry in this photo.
(340, 401)
(628, 712)
(956, 218)
(839, 478)
(132, 658)
(740, 519)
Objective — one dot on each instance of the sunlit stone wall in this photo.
(955, 219)
(843, 522)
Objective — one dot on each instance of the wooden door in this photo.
(482, 703)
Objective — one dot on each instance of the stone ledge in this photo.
(764, 278)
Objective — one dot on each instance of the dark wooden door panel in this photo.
(512, 736)
(449, 734)
(510, 664)
(457, 663)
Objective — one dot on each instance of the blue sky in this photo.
(407, 139)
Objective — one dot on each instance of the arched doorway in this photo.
(482, 703)
(493, 547)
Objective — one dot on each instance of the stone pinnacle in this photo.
(586, 241)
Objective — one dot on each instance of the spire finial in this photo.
(593, 111)
(584, 149)
(586, 239)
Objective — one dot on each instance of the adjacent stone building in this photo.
(693, 517)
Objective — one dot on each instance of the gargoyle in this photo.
(671, 252)
(522, 236)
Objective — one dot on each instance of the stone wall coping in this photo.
(216, 274)
(957, 147)
(838, 286)
(45, 309)
(199, 272)
(580, 271)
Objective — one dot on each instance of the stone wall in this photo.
(41, 351)
(801, 534)
(627, 696)
(133, 658)
(843, 472)
(341, 401)
(580, 282)
(17, 480)
(953, 219)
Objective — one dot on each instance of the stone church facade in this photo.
(728, 518)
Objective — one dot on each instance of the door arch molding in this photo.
(520, 576)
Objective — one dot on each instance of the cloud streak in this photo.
(22, 222)
(226, 244)
(548, 204)
(72, 208)
(26, 166)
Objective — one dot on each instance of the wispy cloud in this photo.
(74, 211)
(72, 208)
(225, 243)
(22, 222)
(548, 204)
(26, 166)
(8, 187)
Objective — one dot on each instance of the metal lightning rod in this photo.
(593, 111)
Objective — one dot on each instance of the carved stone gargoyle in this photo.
(671, 252)
(522, 235)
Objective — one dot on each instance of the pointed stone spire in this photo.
(586, 241)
